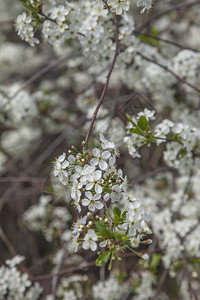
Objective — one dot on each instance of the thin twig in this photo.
(65, 271)
(107, 80)
(13, 252)
(169, 71)
(168, 11)
(160, 285)
(57, 269)
(7, 242)
(37, 75)
(165, 41)
(187, 272)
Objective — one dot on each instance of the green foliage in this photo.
(143, 123)
(103, 258)
(155, 261)
(101, 227)
(150, 40)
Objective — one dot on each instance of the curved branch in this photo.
(107, 81)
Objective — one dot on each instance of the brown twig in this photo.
(13, 252)
(8, 244)
(57, 269)
(107, 80)
(167, 11)
(160, 284)
(187, 272)
(37, 75)
(65, 271)
(165, 41)
(169, 71)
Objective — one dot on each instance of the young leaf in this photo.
(102, 228)
(129, 118)
(103, 258)
(117, 214)
(143, 123)
(156, 257)
(136, 130)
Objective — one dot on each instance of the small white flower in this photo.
(105, 144)
(118, 6)
(91, 201)
(100, 158)
(59, 13)
(59, 168)
(94, 182)
(90, 240)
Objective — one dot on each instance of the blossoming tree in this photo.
(99, 110)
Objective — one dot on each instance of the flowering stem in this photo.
(169, 71)
(107, 80)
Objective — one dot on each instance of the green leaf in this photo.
(121, 237)
(155, 260)
(129, 118)
(108, 213)
(117, 214)
(143, 123)
(194, 260)
(102, 228)
(103, 258)
(136, 130)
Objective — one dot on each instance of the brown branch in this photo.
(23, 179)
(8, 244)
(187, 272)
(46, 17)
(169, 71)
(165, 41)
(65, 271)
(160, 285)
(13, 252)
(57, 269)
(37, 75)
(167, 11)
(107, 80)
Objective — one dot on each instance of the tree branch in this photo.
(107, 81)
(169, 71)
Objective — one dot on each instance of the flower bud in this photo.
(90, 223)
(89, 214)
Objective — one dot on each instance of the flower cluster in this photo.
(147, 4)
(25, 29)
(118, 6)
(96, 183)
(14, 284)
(51, 220)
(182, 140)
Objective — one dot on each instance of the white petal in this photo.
(91, 207)
(65, 164)
(85, 202)
(98, 189)
(96, 152)
(93, 246)
(86, 245)
(78, 169)
(103, 165)
(89, 186)
(97, 175)
(106, 197)
(106, 154)
(98, 205)
(94, 162)
(62, 157)
(88, 195)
